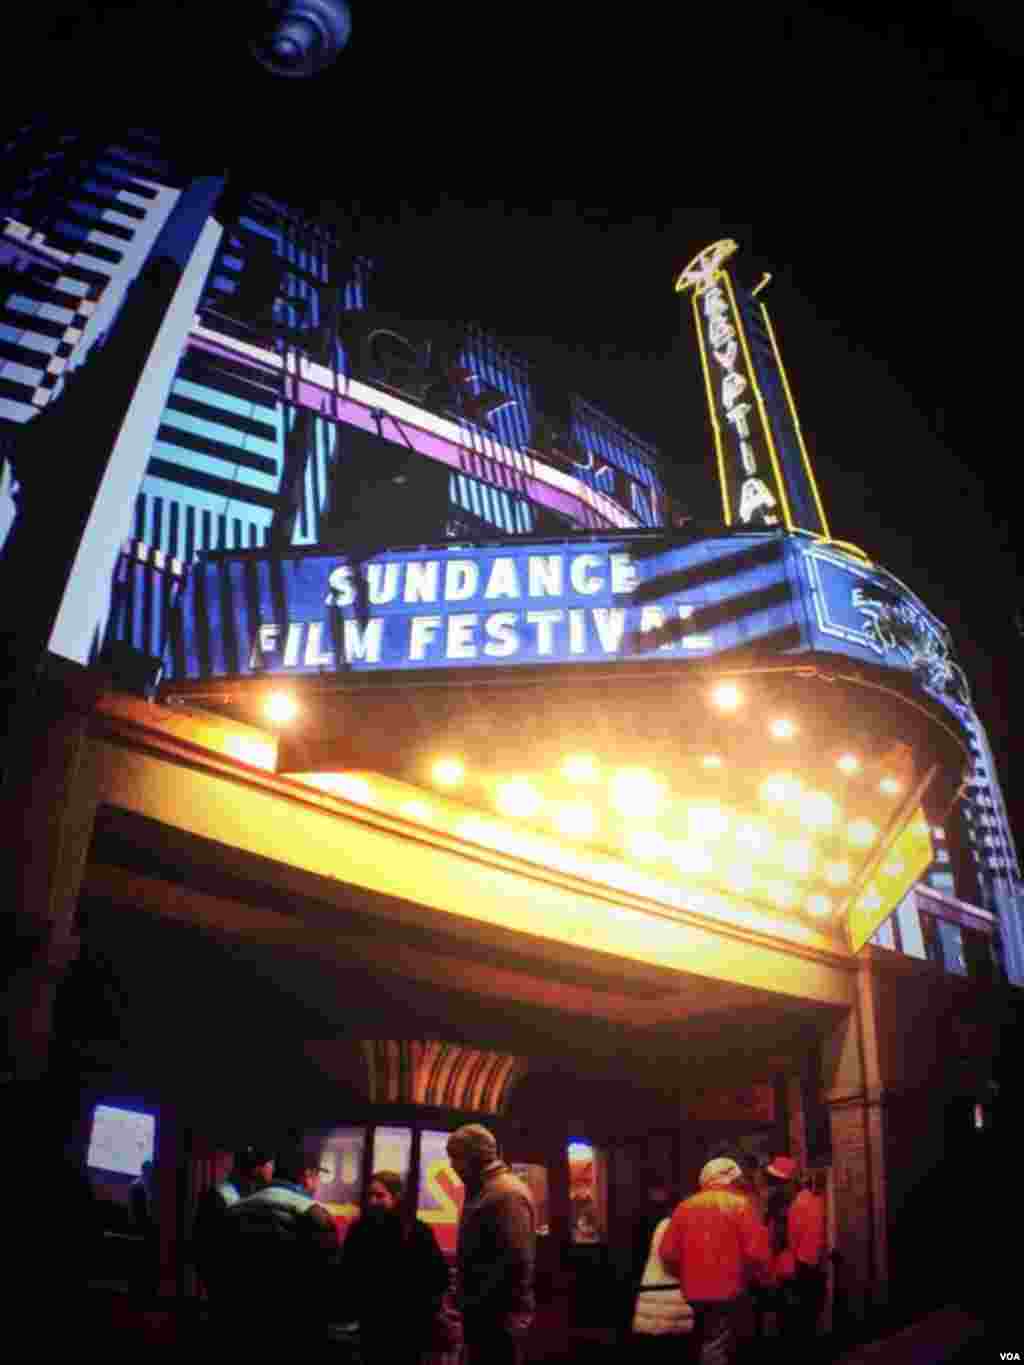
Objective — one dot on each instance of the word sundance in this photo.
(757, 503)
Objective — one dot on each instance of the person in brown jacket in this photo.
(496, 1250)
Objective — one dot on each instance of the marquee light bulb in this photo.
(818, 810)
(417, 810)
(707, 822)
(726, 696)
(784, 895)
(636, 793)
(518, 797)
(838, 874)
(448, 772)
(280, 708)
(889, 787)
(353, 788)
(818, 905)
(646, 844)
(692, 862)
(848, 764)
(861, 833)
(783, 728)
(711, 761)
(740, 879)
(750, 836)
(781, 787)
(576, 820)
(797, 857)
(893, 868)
(871, 900)
(580, 768)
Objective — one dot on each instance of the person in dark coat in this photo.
(393, 1276)
(496, 1250)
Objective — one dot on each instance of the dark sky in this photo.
(546, 169)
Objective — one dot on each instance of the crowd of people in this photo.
(277, 1275)
(742, 1259)
(738, 1261)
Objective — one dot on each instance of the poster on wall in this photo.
(341, 1162)
(441, 1192)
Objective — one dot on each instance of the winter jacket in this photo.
(716, 1242)
(660, 1308)
(805, 1235)
(282, 1237)
(496, 1249)
(381, 1256)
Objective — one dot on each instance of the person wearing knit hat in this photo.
(797, 1220)
(716, 1244)
(496, 1250)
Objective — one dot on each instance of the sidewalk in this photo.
(943, 1337)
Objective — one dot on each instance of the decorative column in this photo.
(853, 1093)
(49, 806)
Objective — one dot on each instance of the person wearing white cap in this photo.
(496, 1249)
(716, 1243)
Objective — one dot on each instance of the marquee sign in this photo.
(522, 602)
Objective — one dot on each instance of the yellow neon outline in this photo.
(728, 248)
(779, 481)
(709, 389)
(765, 281)
(796, 422)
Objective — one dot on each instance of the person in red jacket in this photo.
(801, 1244)
(716, 1243)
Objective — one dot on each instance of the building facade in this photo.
(621, 831)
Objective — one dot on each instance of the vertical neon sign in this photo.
(765, 475)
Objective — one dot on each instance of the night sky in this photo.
(546, 169)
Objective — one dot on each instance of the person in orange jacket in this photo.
(715, 1244)
(798, 1221)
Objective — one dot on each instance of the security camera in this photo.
(301, 37)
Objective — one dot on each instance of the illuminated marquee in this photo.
(536, 602)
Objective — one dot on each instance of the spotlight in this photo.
(707, 822)
(448, 772)
(817, 810)
(575, 819)
(518, 797)
(861, 832)
(782, 787)
(280, 708)
(726, 696)
(637, 793)
(837, 874)
(301, 37)
(580, 768)
(646, 844)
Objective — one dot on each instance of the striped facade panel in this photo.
(492, 508)
(147, 585)
(622, 465)
(30, 318)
